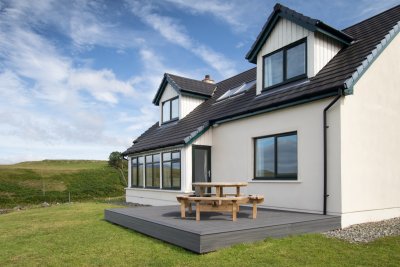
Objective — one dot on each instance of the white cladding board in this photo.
(187, 104)
(370, 142)
(320, 48)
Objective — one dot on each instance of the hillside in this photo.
(57, 181)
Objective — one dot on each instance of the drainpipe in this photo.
(325, 196)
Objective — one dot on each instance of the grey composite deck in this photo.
(216, 230)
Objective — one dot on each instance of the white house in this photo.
(314, 126)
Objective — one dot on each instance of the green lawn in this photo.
(55, 180)
(76, 235)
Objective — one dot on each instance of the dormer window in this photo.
(285, 65)
(170, 110)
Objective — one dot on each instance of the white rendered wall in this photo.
(371, 142)
(320, 48)
(233, 156)
(187, 104)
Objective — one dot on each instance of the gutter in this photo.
(325, 128)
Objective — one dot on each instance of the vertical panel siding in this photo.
(325, 49)
(187, 104)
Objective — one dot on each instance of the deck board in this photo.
(216, 230)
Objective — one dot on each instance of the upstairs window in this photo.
(237, 90)
(285, 65)
(170, 110)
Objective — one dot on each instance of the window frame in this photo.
(180, 170)
(137, 171)
(284, 65)
(277, 176)
(152, 163)
(170, 110)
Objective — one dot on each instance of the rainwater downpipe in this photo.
(325, 196)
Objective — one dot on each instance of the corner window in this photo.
(171, 170)
(153, 171)
(285, 65)
(276, 157)
(137, 169)
(170, 110)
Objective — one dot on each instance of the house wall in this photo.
(168, 93)
(187, 104)
(371, 143)
(320, 48)
(233, 156)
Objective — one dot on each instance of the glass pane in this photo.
(134, 176)
(296, 61)
(273, 69)
(176, 174)
(134, 160)
(176, 155)
(200, 165)
(175, 108)
(156, 175)
(166, 156)
(166, 111)
(166, 174)
(265, 157)
(156, 158)
(149, 159)
(140, 175)
(141, 160)
(149, 174)
(287, 155)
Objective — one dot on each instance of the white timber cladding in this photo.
(233, 156)
(320, 48)
(370, 142)
(168, 93)
(187, 104)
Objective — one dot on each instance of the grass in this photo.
(76, 235)
(55, 180)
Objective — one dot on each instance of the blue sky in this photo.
(77, 77)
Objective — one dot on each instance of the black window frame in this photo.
(170, 110)
(277, 175)
(284, 65)
(152, 163)
(180, 170)
(137, 171)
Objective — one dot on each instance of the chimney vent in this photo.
(207, 79)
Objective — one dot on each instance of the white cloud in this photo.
(176, 33)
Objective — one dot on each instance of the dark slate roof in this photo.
(369, 35)
(184, 86)
(306, 22)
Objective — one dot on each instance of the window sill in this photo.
(154, 189)
(170, 121)
(259, 181)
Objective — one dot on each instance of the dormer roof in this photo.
(310, 24)
(184, 86)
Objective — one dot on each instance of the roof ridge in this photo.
(397, 6)
(183, 77)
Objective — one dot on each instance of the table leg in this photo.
(254, 210)
(197, 211)
(234, 210)
(183, 207)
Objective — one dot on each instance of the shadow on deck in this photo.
(216, 230)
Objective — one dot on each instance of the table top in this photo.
(222, 184)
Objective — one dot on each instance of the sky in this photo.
(77, 77)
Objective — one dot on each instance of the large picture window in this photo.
(153, 171)
(170, 110)
(171, 178)
(137, 167)
(285, 65)
(276, 157)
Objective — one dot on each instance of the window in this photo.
(137, 167)
(170, 110)
(171, 170)
(237, 90)
(276, 157)
(285, 65)
(153, 171)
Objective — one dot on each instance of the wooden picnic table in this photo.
(219, 187)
